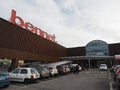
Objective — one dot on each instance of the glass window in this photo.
(97, 47)
(16, 71)
(2, 71)
(33, 71)
(24, 71)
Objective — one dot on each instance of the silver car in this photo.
(42, 70)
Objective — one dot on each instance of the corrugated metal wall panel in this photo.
(77, 51)
(23, 44)
(114, 49)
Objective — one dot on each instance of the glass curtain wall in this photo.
(97, 48)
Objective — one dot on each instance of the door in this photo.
(14, 75)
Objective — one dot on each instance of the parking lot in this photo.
(85, 80)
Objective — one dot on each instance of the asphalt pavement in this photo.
(85, 80)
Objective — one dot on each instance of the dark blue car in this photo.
(4, 78)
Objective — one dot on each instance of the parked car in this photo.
(26, 75)
(115, 68)
(114, 73)
(42, 69)
(4, 78)
(67, 69)
(103, 67)
(117, 78)
(53, 70)
(72, 67)
(61, 69)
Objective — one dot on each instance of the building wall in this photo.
(77, 51)
(21, 44)
(18, 43)
(114, 49)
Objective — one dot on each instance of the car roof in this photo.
(103, 64)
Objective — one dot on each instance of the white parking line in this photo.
(22, 87)
(111, 87)
(18, 87)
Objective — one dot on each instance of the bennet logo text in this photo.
(30, 27)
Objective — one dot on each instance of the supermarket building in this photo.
(19, 44)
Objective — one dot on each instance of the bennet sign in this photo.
(14, 18)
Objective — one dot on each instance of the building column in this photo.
(89, 63)
(14, 64)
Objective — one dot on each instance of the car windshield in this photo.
(33, 71)
(103, 65)
(2, 71)
(43, 68)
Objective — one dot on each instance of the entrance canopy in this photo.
(86, 57)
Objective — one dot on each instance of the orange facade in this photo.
(20, 44)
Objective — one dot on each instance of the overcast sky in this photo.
(74, 22)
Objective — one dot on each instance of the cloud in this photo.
(74, 22)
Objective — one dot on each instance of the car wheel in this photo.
(26, 81)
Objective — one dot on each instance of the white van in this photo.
(103, 67)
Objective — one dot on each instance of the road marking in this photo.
(18, 87)
(111, 86)
(21, 88)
